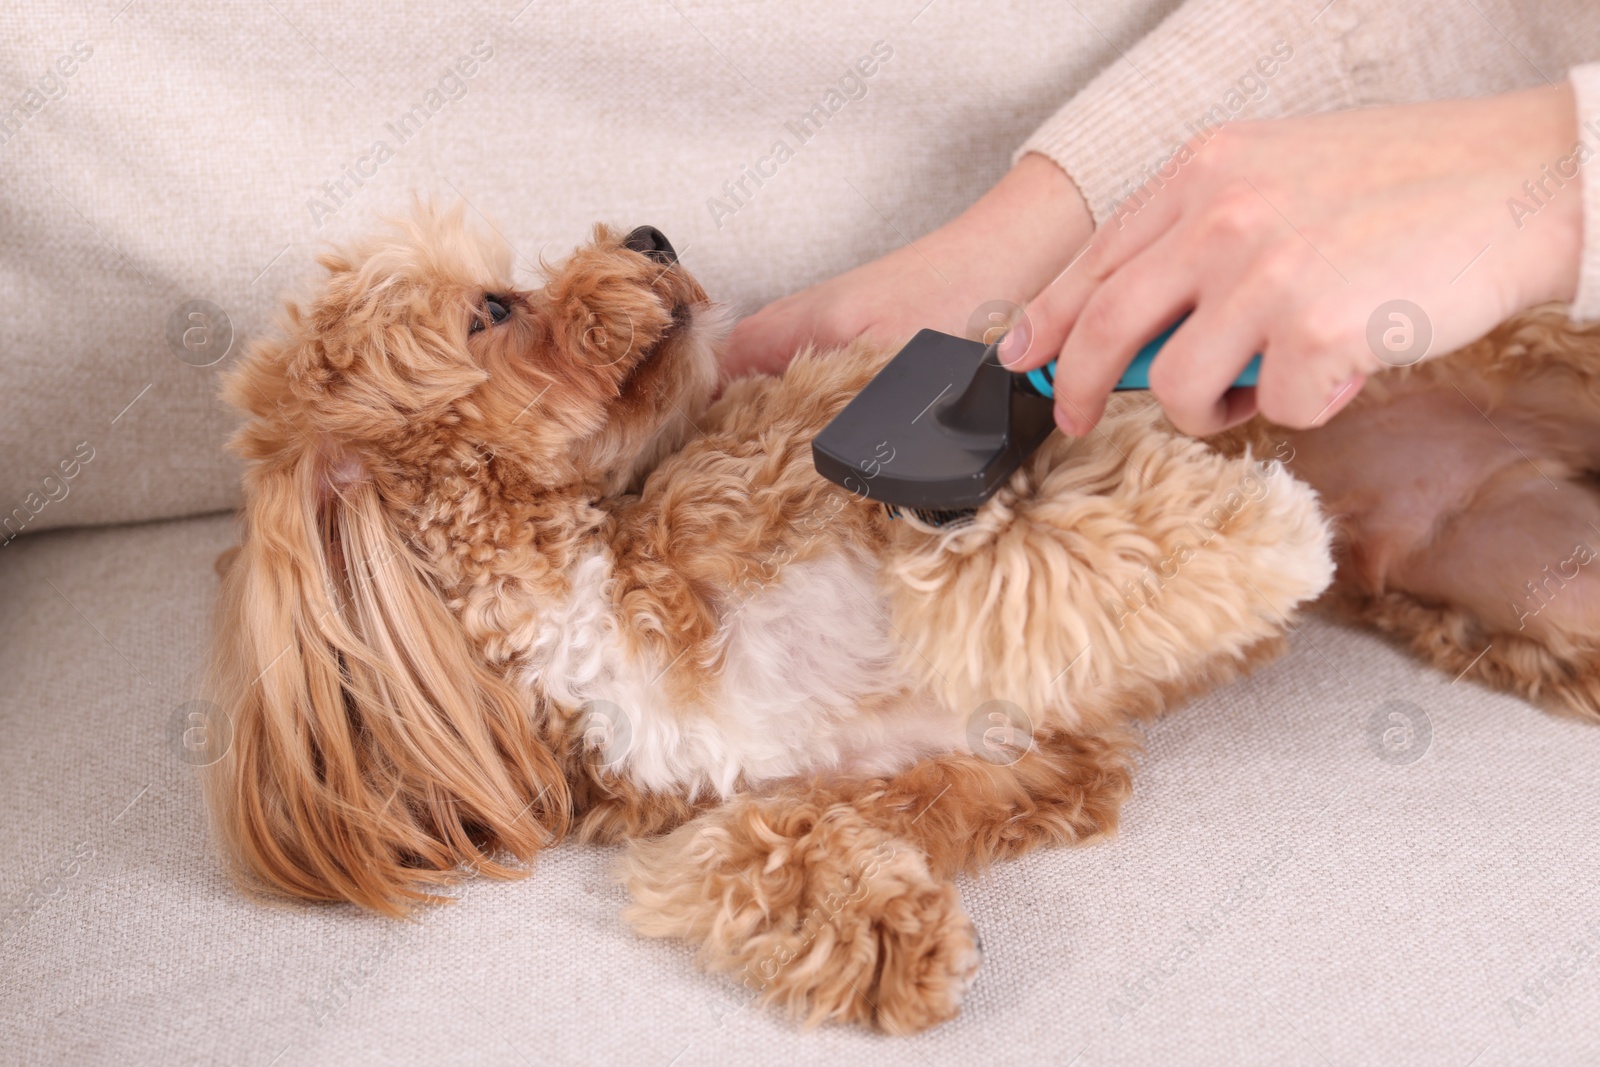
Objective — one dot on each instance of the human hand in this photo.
(1294, 238)
(1006, 246)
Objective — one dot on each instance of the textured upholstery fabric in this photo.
(1280, 891)
(197, 154)
(1278, 894)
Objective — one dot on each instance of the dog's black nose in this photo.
(651, 242)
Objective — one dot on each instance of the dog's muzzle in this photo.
(649, 241)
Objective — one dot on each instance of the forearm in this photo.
(1215, 61)
(1035, 214)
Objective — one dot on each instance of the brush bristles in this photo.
(933, 516)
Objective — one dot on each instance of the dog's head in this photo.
(375, 750)
(420, 350)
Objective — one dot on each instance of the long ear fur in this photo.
(374, 755)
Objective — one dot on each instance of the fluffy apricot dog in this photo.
(508, 573)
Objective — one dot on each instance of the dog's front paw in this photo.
(930, 959)
(820, 912)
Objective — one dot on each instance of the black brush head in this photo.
(940, 428)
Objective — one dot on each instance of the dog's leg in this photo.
(1467, 497)
(833, 897)
(1506, 590)
(1114, 575)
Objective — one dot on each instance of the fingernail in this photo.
(1068, 424)
(1011, 348)
(1339, 392)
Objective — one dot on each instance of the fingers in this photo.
(1134, 305)
(1305, 408)
(1193, 375)
(761, 343)
(1313, 361)
(1052, 313)
(1340, 400)
(1314, 357)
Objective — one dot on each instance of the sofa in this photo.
(1346, 858)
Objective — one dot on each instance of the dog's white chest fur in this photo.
(810, 679)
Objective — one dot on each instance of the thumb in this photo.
(1037, 336)
(1051, 314)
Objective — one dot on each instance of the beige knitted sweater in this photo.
(1214, 60)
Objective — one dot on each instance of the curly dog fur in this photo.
(510, 571)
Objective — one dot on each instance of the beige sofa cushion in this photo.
(1279, 893)
(191, 151)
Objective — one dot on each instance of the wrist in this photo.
(1035, 205)
(1027, 227)
(1036, 186)
(1555, 234)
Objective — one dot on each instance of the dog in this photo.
(510, 571)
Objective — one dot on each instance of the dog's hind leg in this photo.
(1468, 499)
(833, 897)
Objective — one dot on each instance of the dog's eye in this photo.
(493, 308)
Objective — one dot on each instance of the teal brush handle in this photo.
(1137, 376)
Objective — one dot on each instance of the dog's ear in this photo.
(374, 756)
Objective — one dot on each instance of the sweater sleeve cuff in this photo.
(1586, 88)
(1208, 63)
